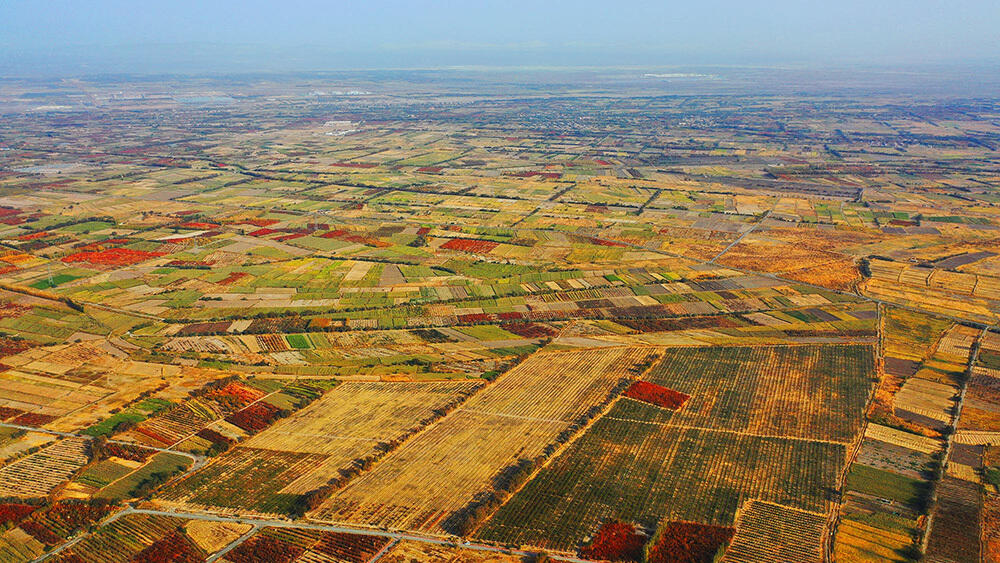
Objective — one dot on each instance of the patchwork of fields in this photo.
(390, 317)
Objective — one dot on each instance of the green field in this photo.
(887, 485)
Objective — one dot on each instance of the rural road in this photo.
(258, 523)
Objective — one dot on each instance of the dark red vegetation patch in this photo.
(232, 278)
(688, 542)
(56, 523)
(113, 257)
(350, 547)
(12, 311)
(204, 328)
(263, 232)
(127, 451)
(657, 395)
(546, 175)
(13, 512)
(34, 419)
(615, 541)
(7, 412)
(475, 318)
(254, 418)
(264, 548)
(681, 323)
(213, 436)
(353, 165)
(243, 393)
(470, 245)
(529, 330)
(40, 532)
(605, 242)
(174, 547)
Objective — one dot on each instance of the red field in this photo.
(602, 242)
(687, 542)
(529, 330)
(7, 412)
(240, 392)
(34, 419)
(656, 395)
(264, 548)
(290, 236)
(349, 547)
(254, 418)
(615, 541)
(11, 346)
(170, 549)
(11, 512)
(213, 436)
(232, 278)
(546, 175)
(112, 257)
(263, 232)
(33, 236)
(353, 165)
(470, 245)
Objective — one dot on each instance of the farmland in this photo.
(272, 470)
(468, 316)
(515, 418)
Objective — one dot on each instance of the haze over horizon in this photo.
(67, 38)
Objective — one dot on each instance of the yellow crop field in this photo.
(514, 418)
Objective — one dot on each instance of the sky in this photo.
(219, 35)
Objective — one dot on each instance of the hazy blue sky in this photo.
(303, 34)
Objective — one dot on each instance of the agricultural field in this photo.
(465, 316)
(635, 461)
(516, 418)
(348, 427)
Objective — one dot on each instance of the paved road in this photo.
(740, 238)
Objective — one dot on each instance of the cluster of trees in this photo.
(507, 482)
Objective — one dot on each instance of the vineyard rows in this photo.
(512, 419)
(770, 532)
(812, 391)
(349, 421)
(123, 539)
(39, 473)
(625, 470)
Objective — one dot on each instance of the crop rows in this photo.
(243, 478)
(644, 472)
(129, 536)
(349, 421)
(769, 532)
(512, 419)
(813, 391)
(39, 473)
